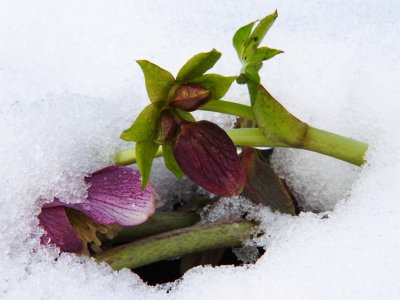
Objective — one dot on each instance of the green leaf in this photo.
(170, 162)
(261, 54)
(144, 126)
(187, 116)
(218, 85)
(251, 73)
(276, 123)
(258, 34)
(145, 152)
(198, 65)
(158, 81)
(241, 37)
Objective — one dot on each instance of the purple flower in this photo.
(114, 197)
(208, 157)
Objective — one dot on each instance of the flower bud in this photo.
(190, 97)
(208, 157)
(166, 127)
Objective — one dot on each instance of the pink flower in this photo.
(114, 197)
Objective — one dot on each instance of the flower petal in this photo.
(115, 196)
(208, 157)
(59, 231)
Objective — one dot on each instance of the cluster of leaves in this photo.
(200, 150)
(246, 42)
(167, 121)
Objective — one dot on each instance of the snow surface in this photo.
(69, 84)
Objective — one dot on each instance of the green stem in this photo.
(230, 108)
(128, 156)
(334, 145)
(177, 243)
(158, 223)
(316, 140)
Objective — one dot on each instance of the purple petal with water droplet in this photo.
(59, 231)
(115, 196)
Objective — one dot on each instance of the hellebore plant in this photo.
(114, 197)
(201, 150)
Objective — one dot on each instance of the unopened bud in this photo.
(166, 127)
(190, 97)
(208, 157)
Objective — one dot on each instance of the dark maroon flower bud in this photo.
(208, 157)
(190, 96)
(166, 127)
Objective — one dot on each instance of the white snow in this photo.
(69, 84)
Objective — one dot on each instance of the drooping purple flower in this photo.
(208, 157)
(114, 197)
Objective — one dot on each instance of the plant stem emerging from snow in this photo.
(177, 243)
(316, 140)
(159, 222)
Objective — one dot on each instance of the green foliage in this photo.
(170, 162)
(240, 38)
(158, 81)
(187, 116)
(144, 126)
(218, 85)
(261, 54)
(145, 152)
(258, 35)
(198, 65)
(246, 42)
(276, 123)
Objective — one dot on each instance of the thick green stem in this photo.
(334, 145)
(230, 108)
(316, 140)
(158, 223)
(177, 243)
(128, 156)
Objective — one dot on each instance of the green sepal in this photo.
(145, 152)
(240, 38)
(277, 124)
(261, 54)
(218, 85)
(187, 116)
(198, 65)
(158, 81)
(170, 162)
(144, 126)
(258, 34)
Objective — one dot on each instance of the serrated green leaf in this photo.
(240, 38)
(158, 81)
(218, 85)
(170, 162)
(258, 34)
(145, 152)
(187, 116)
(276, 123)
(144, 126)
(261, 54)
(198, 65)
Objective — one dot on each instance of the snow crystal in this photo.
(70, 85)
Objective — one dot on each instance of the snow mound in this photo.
(70, 85)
